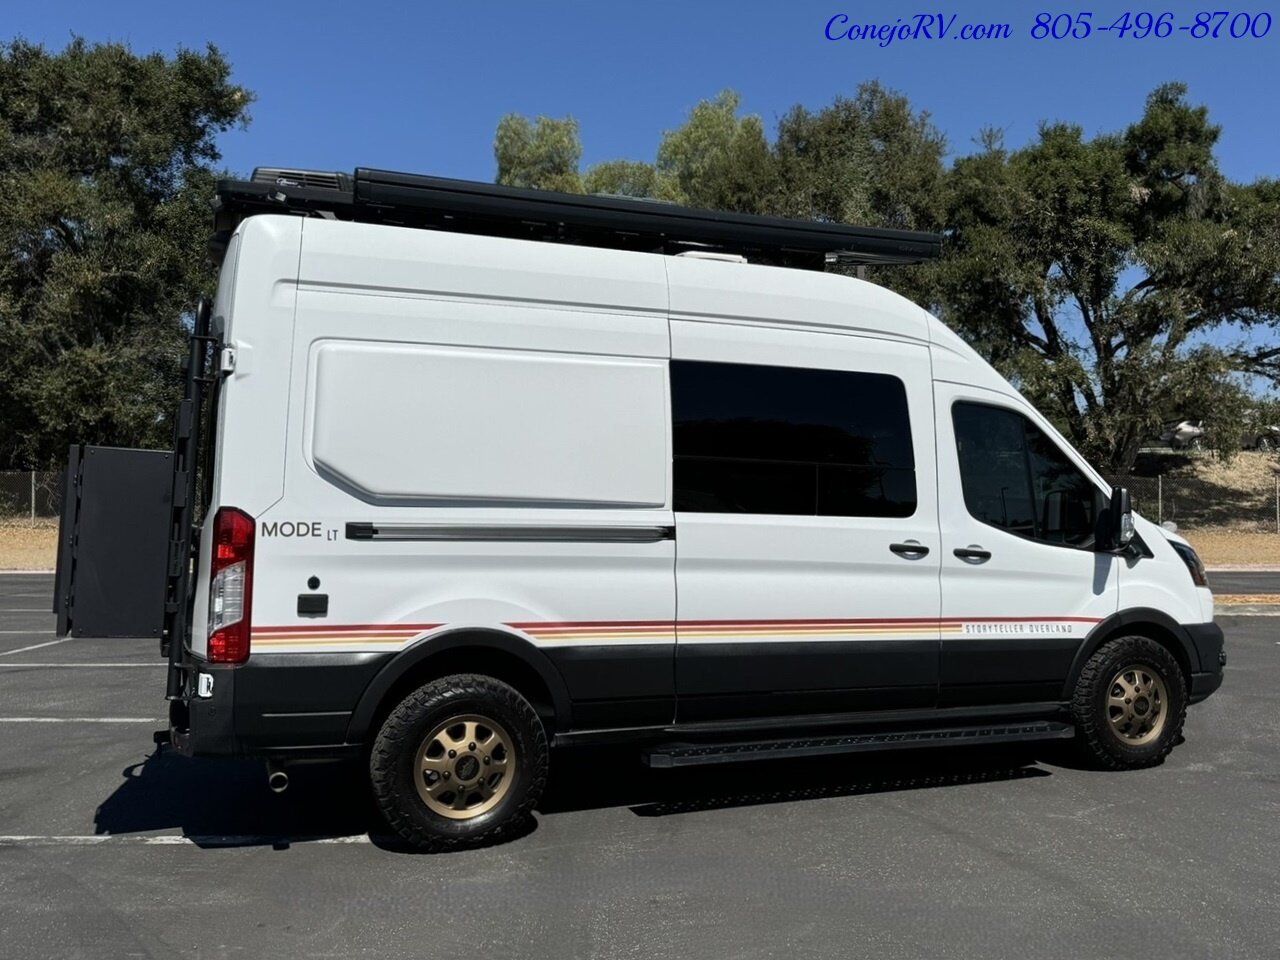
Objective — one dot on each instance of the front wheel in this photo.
(459, 762)
(1129, 704)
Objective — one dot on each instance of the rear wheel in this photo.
(459, 762)
(1129, 704)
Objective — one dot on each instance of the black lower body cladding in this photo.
(294, 705)
(276, 704)
(1209, 642)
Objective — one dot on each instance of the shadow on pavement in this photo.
(225, 803)
(596, 779)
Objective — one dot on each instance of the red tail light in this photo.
(230, 586)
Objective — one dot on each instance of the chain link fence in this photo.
(30, 496)
(35, 496)
(1194, 503)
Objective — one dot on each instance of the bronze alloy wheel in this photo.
(1137, 704)
(464, 767)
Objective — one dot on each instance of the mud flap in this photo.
(113, 543)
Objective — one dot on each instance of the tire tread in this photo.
(1095, 738)
(397, 735)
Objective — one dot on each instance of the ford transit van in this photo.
(465, 472)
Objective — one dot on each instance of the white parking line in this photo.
(47, 613)
(169, 840)
(34, 646)
(80, 720)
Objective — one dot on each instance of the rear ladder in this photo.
(184, 538)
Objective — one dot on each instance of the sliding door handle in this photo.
(972, 554)
(912, 549)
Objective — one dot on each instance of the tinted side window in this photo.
(783, 440)
(1016, 478)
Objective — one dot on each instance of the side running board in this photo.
(701, 754)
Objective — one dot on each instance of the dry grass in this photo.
(1245, 472)
(24, 546)
(1227, 545)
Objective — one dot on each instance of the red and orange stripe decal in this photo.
(601, 631)
(667, 631)
(374, 634)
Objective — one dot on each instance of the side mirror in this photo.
(1120, 515)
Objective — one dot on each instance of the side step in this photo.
(701, 754)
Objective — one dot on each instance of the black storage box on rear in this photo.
(113, 543)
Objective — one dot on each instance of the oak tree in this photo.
(1102, 274)
(107, 160)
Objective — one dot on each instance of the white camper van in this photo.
(475, 472)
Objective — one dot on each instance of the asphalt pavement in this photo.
(1243, 582)
(110, 848)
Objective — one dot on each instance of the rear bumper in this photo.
(205, 726)
(276, 705)
(1208, 640)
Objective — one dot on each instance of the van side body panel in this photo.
(423, 361)
(455, 443)
(801, 614)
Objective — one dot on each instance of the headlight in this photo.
(1192, 560)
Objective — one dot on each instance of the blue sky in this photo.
(420, 86)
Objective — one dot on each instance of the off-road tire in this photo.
(394, 757)
(1097, 737)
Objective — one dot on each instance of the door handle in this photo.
(912, 549)
(972, 554)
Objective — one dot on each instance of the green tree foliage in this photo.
(717, 159)
(867, 160)
(1091, 270)
(543, 154)
(630, 178)
(106, 171)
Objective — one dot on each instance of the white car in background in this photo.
(1184, 435)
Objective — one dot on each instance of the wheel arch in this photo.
(493, 653)
(1142, 621)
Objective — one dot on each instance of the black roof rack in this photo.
(405, 199)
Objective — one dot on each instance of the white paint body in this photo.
(397, 376)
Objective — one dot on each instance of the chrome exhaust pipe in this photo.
(277, 779)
